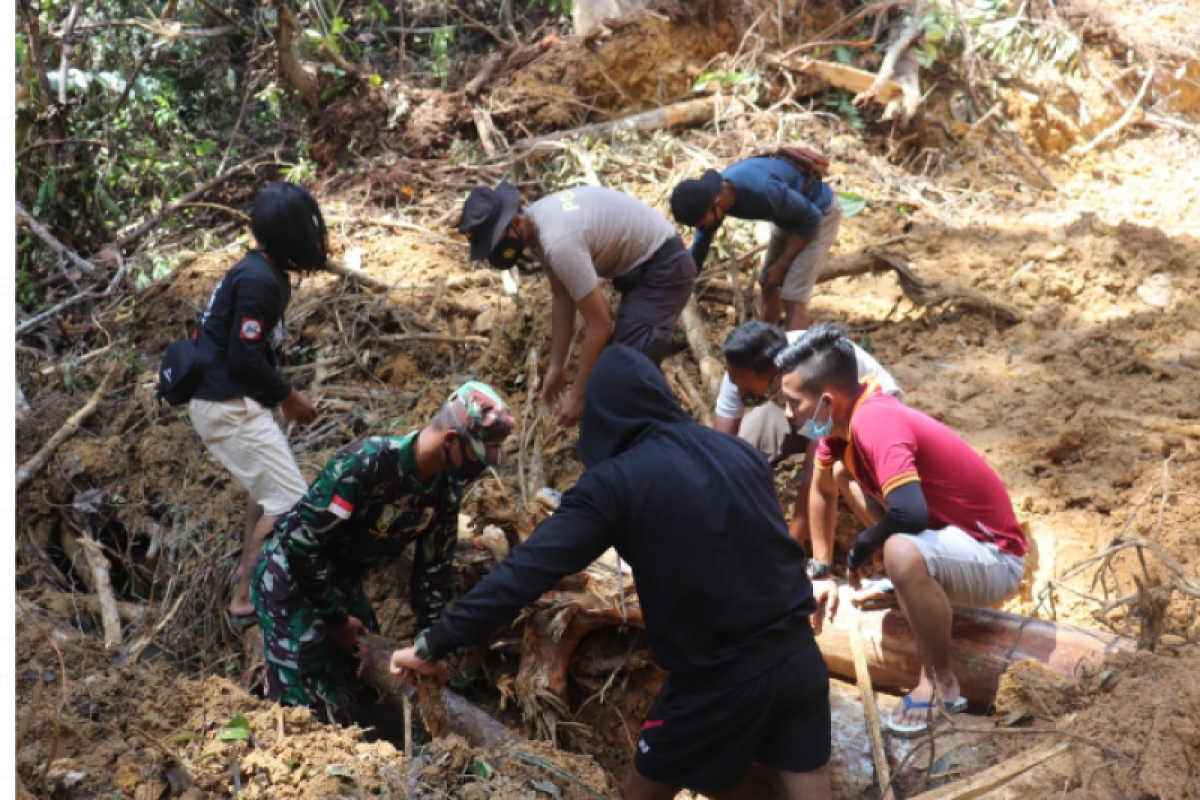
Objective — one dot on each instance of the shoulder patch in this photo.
(340, 507)
(251, 329)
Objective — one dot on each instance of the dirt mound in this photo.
(88, 728)
(1147, 715)
(639, 62)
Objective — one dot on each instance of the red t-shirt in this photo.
(891, 445)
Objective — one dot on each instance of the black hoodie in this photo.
(694, 512)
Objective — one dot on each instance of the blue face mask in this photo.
(814, 430)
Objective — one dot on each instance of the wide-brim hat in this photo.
(486, 214)
(692, 199)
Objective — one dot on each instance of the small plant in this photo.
(840, 101)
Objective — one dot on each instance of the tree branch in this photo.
(34, 29)
(68, 45)
(55, 245)
(137, 70)
(39, 459)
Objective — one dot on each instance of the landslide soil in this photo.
(1087, 408)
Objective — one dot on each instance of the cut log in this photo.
(983, 643)
(711, 369)
(845, 77)
(465, 719)
(679, 115)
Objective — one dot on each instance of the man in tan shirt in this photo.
(582, 235)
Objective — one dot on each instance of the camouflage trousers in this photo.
(304, 666)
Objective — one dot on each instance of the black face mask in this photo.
(466, 470)
(508, 251)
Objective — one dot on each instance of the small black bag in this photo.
(183, 367)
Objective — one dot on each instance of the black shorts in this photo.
(705, 740)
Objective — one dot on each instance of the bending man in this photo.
(582, 235)
(726, 602)
(372, 499)
(804, 214)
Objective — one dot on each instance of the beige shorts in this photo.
(246, 439)
(972, 572)
(806, 267)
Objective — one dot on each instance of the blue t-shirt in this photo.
(771, 189)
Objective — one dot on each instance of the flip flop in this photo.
(875, 594)
(908, 731)
(240, 621)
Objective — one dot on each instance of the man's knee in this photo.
(904, 561)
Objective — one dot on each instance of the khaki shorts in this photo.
(806, 267)
(246, 439)
(972, 572)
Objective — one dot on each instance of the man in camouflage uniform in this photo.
(371, 500)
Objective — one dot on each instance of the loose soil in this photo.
(1086, 408)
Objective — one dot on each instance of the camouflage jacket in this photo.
(367, 504)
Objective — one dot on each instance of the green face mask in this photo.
(756, 400)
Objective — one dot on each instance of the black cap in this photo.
(692, 199)
(486, 214)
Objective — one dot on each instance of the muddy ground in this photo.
(1087, 408)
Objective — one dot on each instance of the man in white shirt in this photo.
(752, 382)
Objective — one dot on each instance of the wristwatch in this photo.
(818, 569)
(420, 649)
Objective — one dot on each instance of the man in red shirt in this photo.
(948, 532)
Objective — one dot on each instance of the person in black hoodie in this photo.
(728, 606)
(231, 408)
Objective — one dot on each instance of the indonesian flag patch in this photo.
(340, 507)
(252, 329)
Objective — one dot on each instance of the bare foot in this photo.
(924, 693)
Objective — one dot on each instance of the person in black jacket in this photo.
(729, 609)
(231, 409)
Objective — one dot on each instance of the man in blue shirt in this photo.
(804, 213)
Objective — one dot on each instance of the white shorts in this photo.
(807, 265)
(246, 439)
(972, 572)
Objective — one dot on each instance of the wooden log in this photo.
(464, 718)
(711, 369)
(983, 643)
(109, 613)
(679, 115)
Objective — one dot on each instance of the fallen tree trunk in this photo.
(711, 369)
(686, 114)
(464, 718)
(983, 643)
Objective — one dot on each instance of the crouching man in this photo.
(947, 531)
(372, 499)
(729, 610)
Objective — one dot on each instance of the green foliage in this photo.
(236, 730)
(840, 101)
(730, 78)
(852, 203)
(1002, 33)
